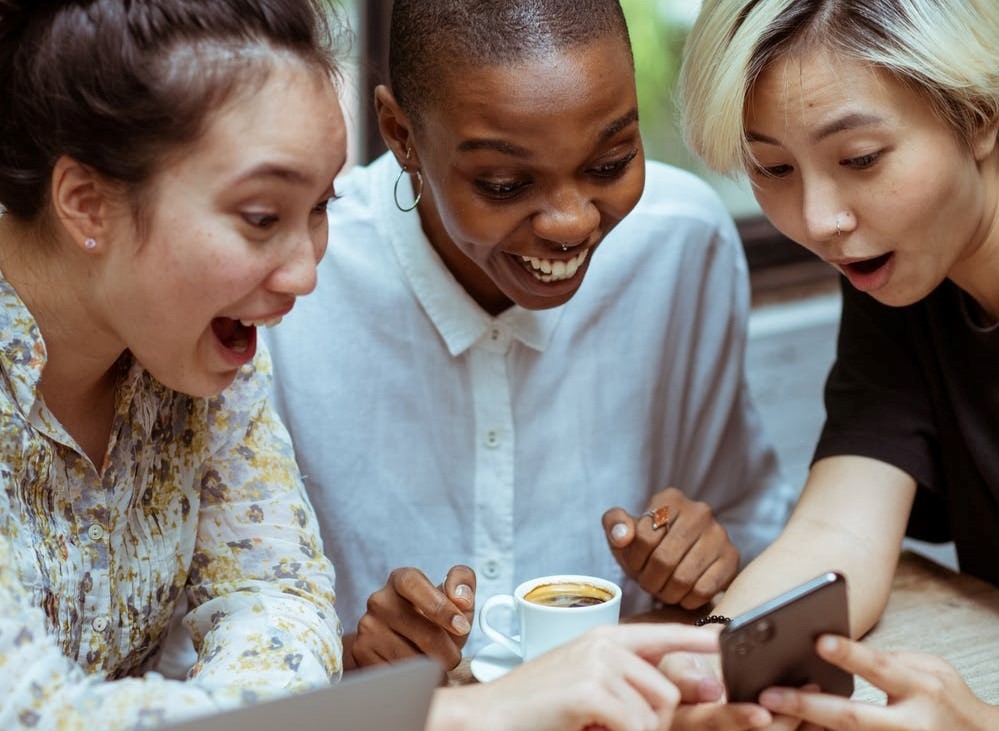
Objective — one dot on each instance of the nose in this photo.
(568, 219)
(296, 274)
(823, 210)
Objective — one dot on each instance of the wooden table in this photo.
(932, 609)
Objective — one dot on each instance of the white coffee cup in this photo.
(543, 626)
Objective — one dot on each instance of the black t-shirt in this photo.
(918, 387)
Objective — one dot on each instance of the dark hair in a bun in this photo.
(117, 84)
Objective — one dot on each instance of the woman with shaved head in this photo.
(522, 325)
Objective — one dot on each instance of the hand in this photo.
(701, 693)
(605, 678)
(410, 616)
(687, 563)
(924, 691)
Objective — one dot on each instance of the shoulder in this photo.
(240, 403)
(675, 193)
(364, 190)
(681, 219)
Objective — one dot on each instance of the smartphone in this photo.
(774, 644)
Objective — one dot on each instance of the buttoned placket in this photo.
(494, 466)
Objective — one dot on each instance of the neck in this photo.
(469, 275)
(978, 273)
(59, 286)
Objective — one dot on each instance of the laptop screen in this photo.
(391, 698)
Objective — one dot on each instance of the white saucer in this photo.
(493, 661)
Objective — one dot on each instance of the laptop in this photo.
(391, 698)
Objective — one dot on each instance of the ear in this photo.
(396, 129)
(985, 140)
(81, 201)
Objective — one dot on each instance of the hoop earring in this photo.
(419, 187)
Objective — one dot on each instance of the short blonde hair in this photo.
(944, 48)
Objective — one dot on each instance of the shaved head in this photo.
(432, 39)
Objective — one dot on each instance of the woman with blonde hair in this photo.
(869, 131)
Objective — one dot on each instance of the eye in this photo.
(613, 168)
(861, 163)
(260, 220)
(500, 190)
(772, 171)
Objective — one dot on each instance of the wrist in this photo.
(452, 709)
(711, 619)
(347, 657)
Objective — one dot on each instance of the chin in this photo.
(199, 385)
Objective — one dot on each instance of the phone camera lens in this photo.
(763, 631)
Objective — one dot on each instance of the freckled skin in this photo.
(926, 196)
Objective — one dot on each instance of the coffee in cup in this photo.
(551, 610)
(568, 594)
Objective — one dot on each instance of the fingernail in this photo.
(829, 644)
(771, 698)
(460, 624)
(759, 718)
(709, 689)
(463, 591)
(619, 532)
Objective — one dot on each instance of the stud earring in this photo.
(90, 244)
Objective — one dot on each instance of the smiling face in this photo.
(527, 168)
(843, 144)
(236, 227)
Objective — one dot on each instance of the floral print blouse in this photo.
(195, 496)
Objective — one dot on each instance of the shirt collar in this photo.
(458, 318)
(22, 350)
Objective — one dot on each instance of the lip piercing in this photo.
(564, 248)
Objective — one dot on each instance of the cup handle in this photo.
(499, 600)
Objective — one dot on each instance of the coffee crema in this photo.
(568, 594)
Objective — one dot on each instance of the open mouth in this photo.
(234, 334)
(868, 266)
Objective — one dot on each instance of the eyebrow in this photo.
(850, 121)
(271, 170)
(629, 117)
(508, 148)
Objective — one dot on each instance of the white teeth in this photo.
(555, 270)
(261, 323)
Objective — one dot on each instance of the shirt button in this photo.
(491, 569)
(95, 532)
(100, 623)
(492, 439)
(494, 334)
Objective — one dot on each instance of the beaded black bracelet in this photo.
(712, 619)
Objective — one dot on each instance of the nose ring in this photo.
(839, 231)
